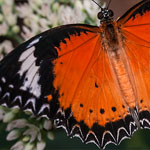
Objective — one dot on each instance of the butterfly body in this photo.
(92, 81)
(113, 43)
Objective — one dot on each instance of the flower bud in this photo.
(14, 134)
(18, 146)
(50, 135)
(29, 146)
(8, 117)
(47, 124)
(41, 145)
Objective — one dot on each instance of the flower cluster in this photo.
(30, 132)
(22, 20)
(19, 21)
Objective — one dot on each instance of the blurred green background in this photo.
(22, 19)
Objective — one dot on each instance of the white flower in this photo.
(55, 6)
(79, 15)
(48, 1)
(3, 28)
(15, 29)
(50, 135)
(8, 117)
(67, 15)
(37, 2)
(1, 114)
(1, 17)
(45, 10)
(8, 2)
(6, 10)
(54, 19)
(18, 146)
(24, 10)
(78, 4)
(6, 46)
(47, 124)
(44, 24)
(90, 7)
(33, 131)
(26, 139)
(14, 134)
(11, 19)
(19, 123)
(41, 145)
(27, 33)
(34, 4)
(39, 137)
(29, 146)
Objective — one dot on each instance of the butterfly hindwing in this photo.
(135, 28)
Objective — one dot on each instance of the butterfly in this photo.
(94, 81)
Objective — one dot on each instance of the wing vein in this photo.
(84, 71)
(138, 25)
(138, 38)
(69, 51)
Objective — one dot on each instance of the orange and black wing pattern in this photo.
(65, 75)
(135, 28)
(28, 73)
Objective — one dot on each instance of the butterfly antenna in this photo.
(97, 3)
(108, 4)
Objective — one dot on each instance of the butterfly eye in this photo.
(100, 15)
(110, 13)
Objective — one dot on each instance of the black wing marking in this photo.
(26, 74)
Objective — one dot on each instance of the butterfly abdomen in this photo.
(124, 82)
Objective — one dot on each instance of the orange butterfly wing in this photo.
(89, 92)
(64, 74)
(135, 28)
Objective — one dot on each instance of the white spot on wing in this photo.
(29, 66)
(34, 42)
(26, 53)
(36, 88)
(28, 61)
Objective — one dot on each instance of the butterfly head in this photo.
(105, 15)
